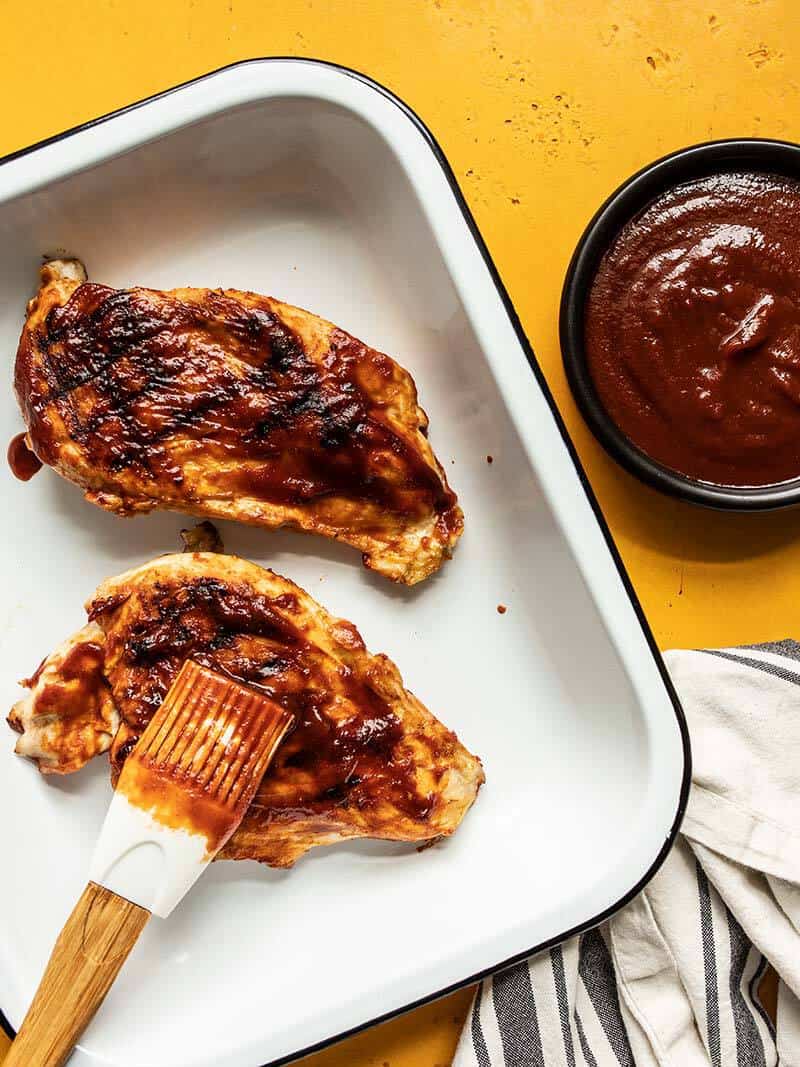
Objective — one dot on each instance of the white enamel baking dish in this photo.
(314, 184)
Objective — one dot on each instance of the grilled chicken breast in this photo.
(232, 405)
(366, 759)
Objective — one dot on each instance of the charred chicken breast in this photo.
(232, 405)
(366, 758)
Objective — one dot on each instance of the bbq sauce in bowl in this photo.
(692, 329)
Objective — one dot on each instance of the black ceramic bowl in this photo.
(714, 157)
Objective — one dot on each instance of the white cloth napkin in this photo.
(672, 979)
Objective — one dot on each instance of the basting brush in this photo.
(181, 794)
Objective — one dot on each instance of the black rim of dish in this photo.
(710, 157)
(535, 368)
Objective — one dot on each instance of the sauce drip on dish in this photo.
(692, 329)
(24, 463)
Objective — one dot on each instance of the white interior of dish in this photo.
(310, 185)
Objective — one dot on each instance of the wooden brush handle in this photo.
(90, 950)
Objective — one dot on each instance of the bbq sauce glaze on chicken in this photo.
(231, 404)
(347, 743)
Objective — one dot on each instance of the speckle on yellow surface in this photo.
(594, 90)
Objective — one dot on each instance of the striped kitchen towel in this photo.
(672, 979)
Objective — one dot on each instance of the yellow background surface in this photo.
(543, 107)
